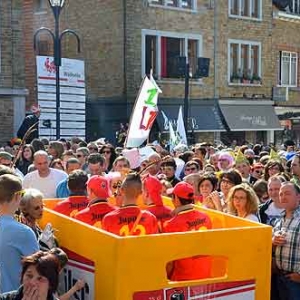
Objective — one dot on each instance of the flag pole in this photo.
(130, 120)
(151, 75)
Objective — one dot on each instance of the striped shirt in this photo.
(288, 256)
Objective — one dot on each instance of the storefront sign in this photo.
(254, 120)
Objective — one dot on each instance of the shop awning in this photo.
(204, 115)
(253, 116)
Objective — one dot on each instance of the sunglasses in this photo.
(275, 168)
(167, 168)
(258, 172)
(38, 207)
(20, 193)
(191, 169)
(117, 185)
(106, 152)
(227, 182)
(79, 155)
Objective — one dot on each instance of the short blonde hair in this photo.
(29, 195)
(252, 199)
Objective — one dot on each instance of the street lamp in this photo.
(57, 6)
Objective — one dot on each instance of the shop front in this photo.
(249, 121)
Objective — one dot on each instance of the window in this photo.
(40, 5)
(244, 62)
(294, 6)
(180, 4)
(43, 48)
(245, 8)
(288, 68)
(165, 53)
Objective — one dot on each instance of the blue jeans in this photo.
(288, 289)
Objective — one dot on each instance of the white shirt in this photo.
(179, 166)
(19, 173)
(273, 213)
(47, 185)
(252, 217)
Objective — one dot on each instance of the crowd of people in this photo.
(123, 192)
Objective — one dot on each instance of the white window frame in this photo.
(240, 16)
(289, 84)
(42, 9)
(180, 5)
(298, 5)
(168, 34)
(240, 43)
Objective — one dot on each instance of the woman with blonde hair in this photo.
(56, 149)
(243, 202)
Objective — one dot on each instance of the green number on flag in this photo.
(152, 93)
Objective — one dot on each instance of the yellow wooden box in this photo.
(127, 265)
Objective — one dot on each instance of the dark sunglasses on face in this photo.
(258, 172)
(38, 207)
(106, 152)
(79, 155)
(191, 169)
(117, 185)
(167, 168)
(224, 181)
(6, 165)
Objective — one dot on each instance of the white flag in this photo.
(180, 128)
(155, 84)
(173, 140)
(143, 115)
(166, 120)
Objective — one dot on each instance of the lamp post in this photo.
(186, 106)
(57, 6)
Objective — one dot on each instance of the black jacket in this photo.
(173, 180)
(27, 123)
(261, 211)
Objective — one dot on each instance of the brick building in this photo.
(286, 24)
(101, 49)
(234, 102)
(122, 40)
(12, 91)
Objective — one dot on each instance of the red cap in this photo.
(182, 190)
(154, 188)
(99, 186)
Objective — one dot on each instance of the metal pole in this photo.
(57, 103)
(57, 62)
(186, 98)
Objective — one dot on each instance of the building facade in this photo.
(286, 20)
(12, 87)
(246, 41)
(235, 101)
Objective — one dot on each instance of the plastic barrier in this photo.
(134, 268)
